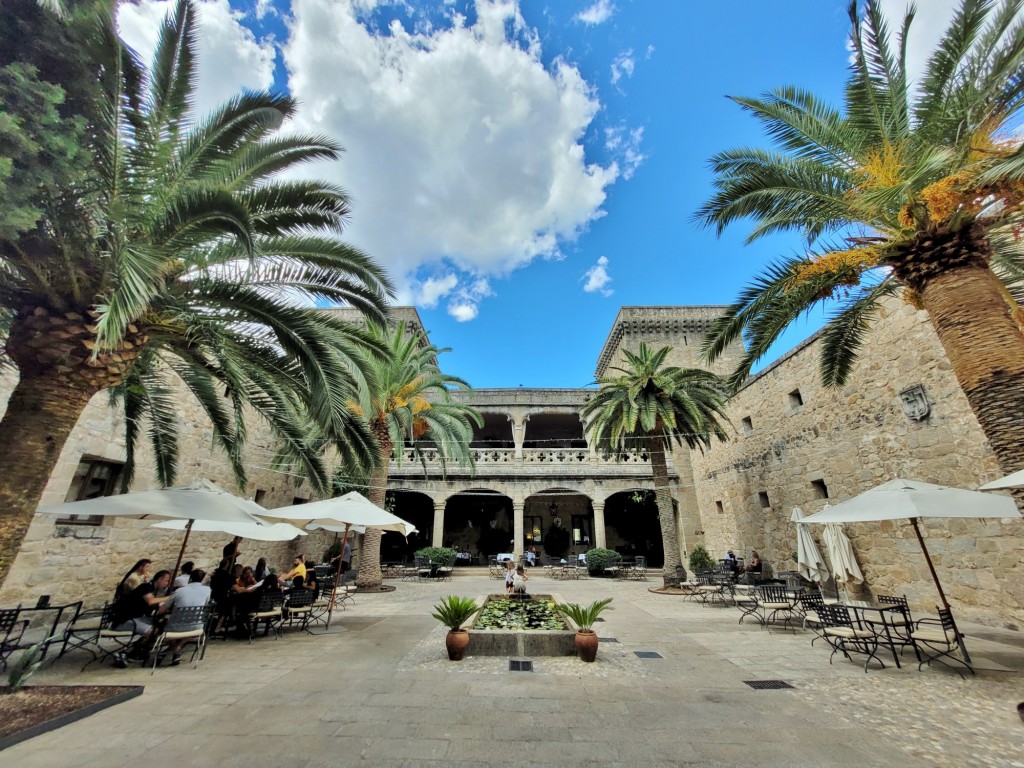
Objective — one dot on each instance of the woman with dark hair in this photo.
(136, 575)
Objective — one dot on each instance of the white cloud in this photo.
(464, 151)
(598, 13)
(597, 278)
(428, 292)
(229, 55)
(623, 64)
(930, 21)
(624, 144)
(264, 8)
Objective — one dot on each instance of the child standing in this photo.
(510, 572)
(519, 581)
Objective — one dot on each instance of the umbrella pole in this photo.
(181, 552)
(337, 578)
(938, 586)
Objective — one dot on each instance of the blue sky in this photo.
(523, 169)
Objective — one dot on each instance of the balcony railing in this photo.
(504, 460)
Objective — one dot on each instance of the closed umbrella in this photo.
(199, 500)
(901, 499)
(840, 553)
(808, 556)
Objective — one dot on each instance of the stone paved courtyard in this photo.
(378, 690)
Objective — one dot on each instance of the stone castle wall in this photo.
(850, 440)
(81, 562)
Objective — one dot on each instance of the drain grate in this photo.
(608, 639)
(767, 685)
(520, 666)
(648, 655)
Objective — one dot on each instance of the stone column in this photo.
(517, 527)
(438, 535)
(599, 537)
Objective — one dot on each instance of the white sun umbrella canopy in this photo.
(352, 509)
(199, 500)
(840, 553)
(254, 531)
(809, 561)
(1014, 480)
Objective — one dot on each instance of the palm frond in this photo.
(845, 332)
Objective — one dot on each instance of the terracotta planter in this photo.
(456, 642)
(586, 645)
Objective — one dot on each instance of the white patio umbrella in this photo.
(911, 500)
(845, 570)
(254, 531)
(341, 513)
(808, 557)
(1013, 480)
(199, 500)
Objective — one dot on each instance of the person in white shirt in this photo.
(184, 578)
(193, 594)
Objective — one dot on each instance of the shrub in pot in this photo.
(700, 560)
(454, 611)
(598, 559)
(584, 618)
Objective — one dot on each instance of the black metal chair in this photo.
(12, 628)
(777, 603)
(269, 611)
(895, 623)
(844, 635)
(297, 608)
(91, 628)
(639, 571)
(446, 569)
(810, 607)
(937, 640)
(187, 623)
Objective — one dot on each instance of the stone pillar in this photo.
(517, 527)
(438, 535)
(518, 433)
(599, 537)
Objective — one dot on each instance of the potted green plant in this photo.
(584, 618)
(700, 560)
(454, 611)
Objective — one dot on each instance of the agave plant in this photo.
(583, 618)
(454, 611)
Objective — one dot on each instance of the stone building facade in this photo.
(794, 443)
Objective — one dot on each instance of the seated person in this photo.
(261, 570)
(754, 566)
(730, 562)
(137, 574)
(192, 594)
(298, 569)
(134, 611)
(186, 573)
(311, 583)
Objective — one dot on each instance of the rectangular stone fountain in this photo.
(520, 642)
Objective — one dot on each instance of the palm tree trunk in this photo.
(666, 515)
(40, 415)
(986, 350)
(370, 576)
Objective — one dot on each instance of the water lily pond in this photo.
(505, 613)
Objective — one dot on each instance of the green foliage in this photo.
(599, 558)
(508, 613)
(584, 618)
(437, 554)
(179, 238)
(700, 560)
(556, 541)
(454, 611)
(27, 665)
(870, 184)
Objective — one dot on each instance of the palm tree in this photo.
(177, 257)
(913, 189)
(651, 406)
(410, 405)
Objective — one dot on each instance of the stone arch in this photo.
(561, 513)
(632, 527)
(478, 520)
(413, 507)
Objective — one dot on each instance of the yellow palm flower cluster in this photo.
(853, 261)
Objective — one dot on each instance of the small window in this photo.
(820, 489)
(93, 479)
(796, 400)
(762, 496)
(748, 425)
(297, 500)
(720, 507)
(261, 494)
